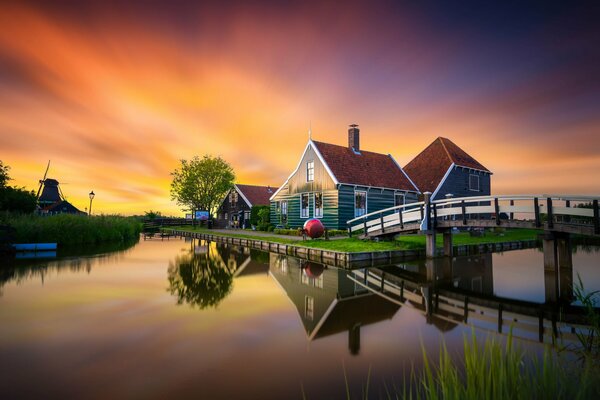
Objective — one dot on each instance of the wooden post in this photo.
(550, 213)
(381, 222)
(536, 211)
(596, 217)
(512, 215)
(567, 218)
(349, 229)
(400, 217)
(402, 291)
(365, 225)
(497, 210)
(434, 216)
(464, 214)
(382, 282)
(500, 318)
(466, 309)
(447, 243)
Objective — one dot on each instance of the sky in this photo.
(116, 93)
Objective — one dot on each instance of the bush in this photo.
(255, 218)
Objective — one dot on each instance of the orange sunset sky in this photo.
(115, 93)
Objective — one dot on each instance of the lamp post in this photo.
(92, 194)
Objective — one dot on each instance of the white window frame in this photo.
(478, 183)
(315, 215)
(309, 307)
(366, 202)
(307, 206)
(284, 210)
(310, 171)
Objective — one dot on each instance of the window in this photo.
(474, 182)
(304, 205)
(284, 211)
(318, 205)
(360, 203)
(309, 307)
(310, 171)
(399, 199)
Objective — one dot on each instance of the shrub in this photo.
(255, 218)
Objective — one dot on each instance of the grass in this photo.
(68, 229)
(493, 371)
(406, 242)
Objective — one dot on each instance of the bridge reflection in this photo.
(448, 292)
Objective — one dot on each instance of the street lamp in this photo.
(92, 194)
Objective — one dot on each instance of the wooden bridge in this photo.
(557, 215)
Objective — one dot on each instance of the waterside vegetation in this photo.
(71, 229)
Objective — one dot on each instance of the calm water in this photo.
(197, 319)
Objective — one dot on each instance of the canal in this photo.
(190, 318)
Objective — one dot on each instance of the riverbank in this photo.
(354, 252)
(69, 229)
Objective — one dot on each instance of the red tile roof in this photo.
(428, 168)
(366, 168)
(257, 195)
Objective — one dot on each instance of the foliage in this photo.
(13, 198)
(494, 372)
(202, 183)
(4, 177)
(588, 336)
(254, 214)
(152, 214)
(202, 280)
(66, 229)
(17, 200)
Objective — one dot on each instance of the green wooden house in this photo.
(338, 183)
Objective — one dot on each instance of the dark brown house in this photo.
(234, 211)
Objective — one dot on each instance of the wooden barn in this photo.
(446, 170)
(235, 209)
(338, 183)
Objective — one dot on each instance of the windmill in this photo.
(50, 191)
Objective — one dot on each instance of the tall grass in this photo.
(493, 371)
(67, 229)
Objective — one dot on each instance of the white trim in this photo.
(308, 206)
(450, 168)
(318, 153)
(323, 319)
(319, 156)
(315, 205)
(366, 192)
(475, 169)
(242, 194)
(354, 185)
(405, 174)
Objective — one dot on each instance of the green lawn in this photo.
(407, 242)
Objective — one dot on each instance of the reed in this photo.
(68, 229)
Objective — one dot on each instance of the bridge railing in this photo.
(411, 213)
(542, 210)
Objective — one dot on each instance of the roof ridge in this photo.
(441, 139)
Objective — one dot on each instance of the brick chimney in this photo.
(354, 137)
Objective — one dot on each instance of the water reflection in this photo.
(72, 259)
(328, 302)
(202, 274)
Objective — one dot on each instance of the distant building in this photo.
(444, 169)
(235, 209)
(338, 183)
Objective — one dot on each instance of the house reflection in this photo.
(328, 302)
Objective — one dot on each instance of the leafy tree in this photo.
(14, 198)
(152, 214)
(254, 214)
(202, 183)
(4, 178)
